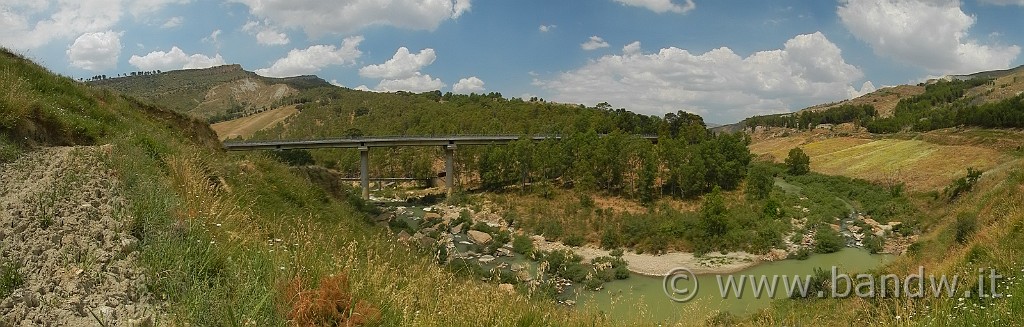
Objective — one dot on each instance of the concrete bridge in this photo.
(449, 143)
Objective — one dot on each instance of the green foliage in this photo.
(943, 104)
(10, 279)
(294, 157)
(610, 238)
(9, 151)
(574, 239)
(522, 244)
(760, 182)
(819, 282)
(963, 184)
(874, 244)
(798, 162)
(833, 196)
(809, 119)
(712, 212)
(965, 226)
(827, 240)
(801, 254)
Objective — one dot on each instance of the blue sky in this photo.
(724, 60)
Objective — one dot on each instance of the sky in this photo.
(724, 59)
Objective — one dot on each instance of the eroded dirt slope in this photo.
(65, 227)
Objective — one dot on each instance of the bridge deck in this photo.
(389, 141)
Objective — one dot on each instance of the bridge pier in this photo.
(449, 168)
(364, 171)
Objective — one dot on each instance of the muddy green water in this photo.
(643, 297)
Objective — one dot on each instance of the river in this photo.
(643, 297)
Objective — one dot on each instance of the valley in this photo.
(578, 231)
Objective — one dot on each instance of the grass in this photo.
(951, 247)
(920, 165)
(10, 278)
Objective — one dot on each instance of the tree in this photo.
(712, 213)
(798, 162)
(759, 182)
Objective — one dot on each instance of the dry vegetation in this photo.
(244, 127)
(884, 100)
(922, 165)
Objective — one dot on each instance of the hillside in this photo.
(924, 163)
(212, 94)
(220, 239)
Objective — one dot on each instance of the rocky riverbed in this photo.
(66, 244)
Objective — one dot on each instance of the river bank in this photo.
(660, 265)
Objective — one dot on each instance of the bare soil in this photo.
(65, 226)
(248, 125)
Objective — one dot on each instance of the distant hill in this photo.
(984, 99)
(212, 94)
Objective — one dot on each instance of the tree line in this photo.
(808, 119)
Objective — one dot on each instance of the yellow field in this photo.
(923, 166)
(246, 126)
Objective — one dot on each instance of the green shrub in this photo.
(10, 279)
(798, 162)
(874, 244)
(964, 227)
(8, 150)
(522, 244)
(801, 254)
(963, 184)
(610, 238)
(827, 240)
(574, 240)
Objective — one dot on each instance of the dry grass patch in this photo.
(245, 127)
(923, 166)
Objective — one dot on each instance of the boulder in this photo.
(503, 252)
(431, 216)
(384, 216)
(427, 241)
(403, 236)
(458, 228)
(486, 258)
(479, 237)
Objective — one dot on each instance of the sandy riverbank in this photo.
(660, 265)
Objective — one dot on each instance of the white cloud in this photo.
(595, 42)
(265, 34)
(140, 8)
(402, 65)
(314, 58)
(213, 37)
(95, 51)
(718, 84)
(402, 72)
(469, 85)
(547, 28)
(416, 83)
(32, 24)
(173, 22)
(929, 34)
(174, 59)
(319, 17)
(661, 6)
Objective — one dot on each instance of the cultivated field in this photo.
(923, 166)
(246, 126)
